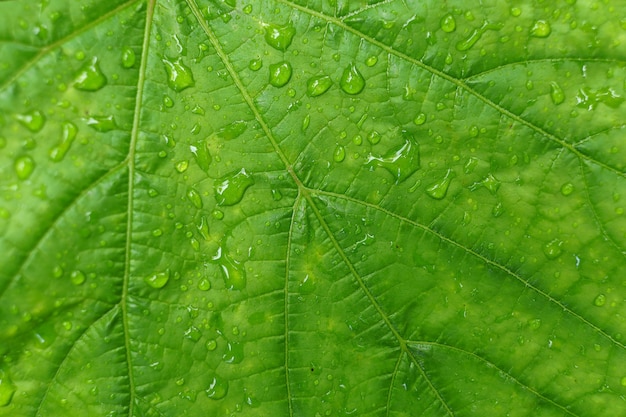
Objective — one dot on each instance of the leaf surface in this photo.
(310, 208)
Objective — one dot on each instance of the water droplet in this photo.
(204, 284)
(401, 162)
(233, 272)
(567, 188)
(470, 165)
(489, 182)
(68, 135)
(339, 154)
(497, 210)
(195, 198)
(90, 77)
(211, 345)
(279, 37)
(7, 389)
(590, 99)
(218, 388)
(280, 73)
(232, 188)
(77, 277)
(33, 120)
(193, 333)
(374, 137)
(439, 189)
(515, 11)
(128, 57)
(101, 123)
(600, 300)
(234, 353)
(317, 86)
(556, 93)
(179, 75)
(476, 34)
(447, 23)
(552, 249)
(541, 29)
(420, 119)
(158, 280)
(255, 64)
(371, 61)
(232, 130)
(277, 195)
(352, 82)
(201, 154)
(182, 166)
(305, 122)
(24, 167)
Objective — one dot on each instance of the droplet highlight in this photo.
(232, 188)
(439, 189)
(179, 75)
(218, 388)
(541, 29)
(352, 82)
(280, 74)
(400, 162)
(158, 280)
(90, 77)
(448, 23)
(317, 86)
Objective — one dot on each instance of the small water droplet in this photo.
(475, 35)
(515, 11)
(317, 86)
(497, 210)
(193, 333)
(68, 135)
(7, 389)
(128, 57)
(101, 123)
(33, 120)
(401, 162)
(77, 277)
(218, 388)
(420, 119)
(489, 182)
(201, 154)
(374, 137)
(552, 249)
(234, 353)
(352, 82)
(195, 198)
(280, 73)
(233, 272)
(182, 166)
(204, 284)
(179, 75)
(211, 345)
(279, 37)
(371, 61)
(232, 188)
(277, 195)
(556, 93)
(24, 167)
(567, 188)
(305, 122)
(158, 280)
(232, 130)
(439, 189)
(255, 64)
(448, 23)
(339, 154)
(90, 77)
(600, 300)
(541, 29)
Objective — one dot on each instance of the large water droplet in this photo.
(590, 99)
(280, 73)
(77, 277)
(476, 34)
(556, 93)
(255, 64)
(179, 75)
(128, 57)
(600, 300)
(489, 182)
(279, 37)
(567, 188)
(447, 23)
(7, 389)
(90, 77)
(218, 388)
(195, 198)
(439, 189)
(541, 29)
(158, 280)
(232, 188)
(352, 82)
(552, 249)
(233, 130)
(317, 86)
(24, 167)
(234, 353)
(33, 120)
(68, 135)
(339, 154)
(101, 123)
(201, 154)
(401, 162)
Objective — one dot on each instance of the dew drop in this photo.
(128, 57)
(233, 272)
(470, 165)
(352, 82)
(317, 86)
(7, 389)
(401, 162)
(567, 188)
(158, 280)
(420, 119)
(33, 120)
(447, 23)
(204, 284)
(101, 123)
(24, 167)
(233, 130)
(232, 188)
(90, 77)
(590, 99)
(211, 345)
(168, 102)
(476, 34)
(179, 75)
(515, 11)
(255, 64)
(439, 189)
(218, 388)
(600, 300)
(306, 122)
(68, 135)
(497, 210)
(201, 154)
(552, 249)
(193, 333)
(374, 137)
(541, 29)
(371, 61)
(339, 154)
(279, 37)
(195, 198)
(234, 353)
(556, 93)
(280, 73)
(77, 277)
(182, 166)
(489, 182)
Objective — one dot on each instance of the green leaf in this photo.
(311, 208)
